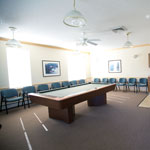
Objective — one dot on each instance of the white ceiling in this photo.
(41, 21)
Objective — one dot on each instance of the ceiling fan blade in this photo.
(90, 42)
(94, 40)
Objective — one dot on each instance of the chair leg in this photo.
(28, 102)
(1, 105)
(23, 103)
(18, 103)
(116, 88)
(6, 107)
(136, 89)
(128, 88)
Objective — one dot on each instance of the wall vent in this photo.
(119, 29)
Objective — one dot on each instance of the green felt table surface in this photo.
(74, 90)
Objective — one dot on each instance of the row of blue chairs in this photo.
(11, 95)
(131, 82)
(58, 85)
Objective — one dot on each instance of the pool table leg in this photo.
(67, 114)
(97, 101)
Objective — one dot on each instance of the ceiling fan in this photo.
(84, 41)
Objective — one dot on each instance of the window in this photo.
(19, 70)
(76, 67)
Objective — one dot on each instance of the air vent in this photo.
(119, 29)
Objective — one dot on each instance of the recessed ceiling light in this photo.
(147, 16)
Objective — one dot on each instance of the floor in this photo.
(119, 125)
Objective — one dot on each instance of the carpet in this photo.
(119, 125)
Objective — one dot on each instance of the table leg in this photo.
(97, 101)
(67, 114)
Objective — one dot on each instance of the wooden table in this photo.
(61, 103)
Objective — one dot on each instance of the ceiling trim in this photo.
(142, 45)
(43, 45)
(65, 49)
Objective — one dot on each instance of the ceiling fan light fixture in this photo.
(84, 44)
(13, 43)
(74, 18)
(128, 44)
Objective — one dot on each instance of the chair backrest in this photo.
(97, 80)
(122, 80)
(105, 80)
(132, 80)
(112, 80)
(42, 87)
(28, 89)
(82, 81)
(143, 81)
(8, 93)
(55, 85)
(65, 84)
(73, 83)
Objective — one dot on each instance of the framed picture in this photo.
(51, 68)
(114, 66)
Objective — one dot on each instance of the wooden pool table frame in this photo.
(64, 108)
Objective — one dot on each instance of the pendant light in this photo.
(74, 18)
(128, 44)
(13, 43)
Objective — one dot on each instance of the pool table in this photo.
(61, 102)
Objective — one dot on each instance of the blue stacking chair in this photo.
(143, 82)
(97, 80)
(10, 95)
(25, 91)
(112, 80)
(42, 88)
(73, 83)
(65, 84)
(132, 82)
(122, 82)
(81, 81)
(56, 85)
(104, 81)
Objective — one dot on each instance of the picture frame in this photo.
(51, 68)
(114, 66)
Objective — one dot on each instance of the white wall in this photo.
(131, 66)
(3, 66)
(37, 54)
